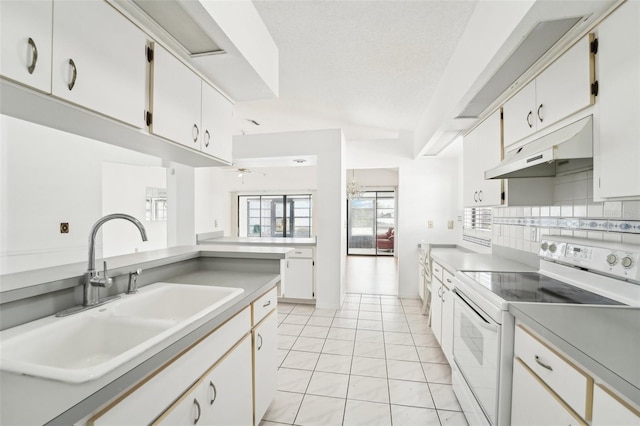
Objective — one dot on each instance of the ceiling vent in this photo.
(176, 21)
(543, 36)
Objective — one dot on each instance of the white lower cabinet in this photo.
(611, 410)
(297, 274)
(221, 397)
(534, 404)
(442, 308)
(265, 364)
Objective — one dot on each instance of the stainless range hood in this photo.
(566, 150)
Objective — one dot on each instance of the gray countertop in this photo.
(54, 402)
(255, 241)
(40, 281)
(455, 259)
(604, 340)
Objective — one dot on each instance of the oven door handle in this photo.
(474, 310)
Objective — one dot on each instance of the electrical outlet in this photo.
(64, 227)
(215, 223)
(430, 224)
(450, 224)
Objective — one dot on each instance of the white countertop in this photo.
(271, 241)
(454, 260)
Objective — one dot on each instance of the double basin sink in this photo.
(90, 344)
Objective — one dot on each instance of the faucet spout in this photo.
(93, 278)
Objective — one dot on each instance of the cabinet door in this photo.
(99, 60)
(25, 37)
(176, 100)
(217, 123)
(470, 168)
(564, 87)
(299, 278)
(188, 410)
(619, 104)
(519, 116)
(488, 155)
(608, 410)
(447, 322)
(265, 364)
(227, 389)
(436, 310)
(532, 403)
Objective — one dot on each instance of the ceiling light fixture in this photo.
(354, 190)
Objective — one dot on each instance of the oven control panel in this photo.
(619, 260)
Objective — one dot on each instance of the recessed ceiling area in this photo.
(367, 67)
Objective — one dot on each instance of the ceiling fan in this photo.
(242, 171)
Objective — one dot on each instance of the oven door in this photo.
(476, 351)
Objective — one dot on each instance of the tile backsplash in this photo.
(573, 213)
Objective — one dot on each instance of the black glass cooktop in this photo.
(534, 287)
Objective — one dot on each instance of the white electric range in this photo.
(572, 271)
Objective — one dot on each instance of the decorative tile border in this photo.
(572, 223)
(482, 241)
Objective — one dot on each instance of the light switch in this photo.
(450, 224)
(430, 224)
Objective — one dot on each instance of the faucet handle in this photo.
(107, 280)
(132, 288)
(101, 281)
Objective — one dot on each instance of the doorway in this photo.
(371, 224)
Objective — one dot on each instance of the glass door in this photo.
(371, 224)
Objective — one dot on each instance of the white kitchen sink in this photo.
(88, 345)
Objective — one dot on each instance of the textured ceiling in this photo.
(368, 67)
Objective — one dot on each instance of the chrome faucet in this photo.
(93, 278)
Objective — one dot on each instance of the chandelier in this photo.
(354, 190)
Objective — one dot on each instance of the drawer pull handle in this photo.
(214, 394)
(34, 56)
(199, 412)
(260, 345)
(542, 364)
(267, 304)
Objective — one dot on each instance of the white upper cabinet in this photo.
(481, 151)
(99, 60)
(619, 105)
(175, 100)
(559, 91)
(217, 124)
(25, 36)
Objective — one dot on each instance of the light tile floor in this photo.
(373, 362)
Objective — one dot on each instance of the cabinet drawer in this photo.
(437, 270)
(302, 252)
(565, 379)
(611, 410)
(264, 305)
(146, 401)
(447, 279)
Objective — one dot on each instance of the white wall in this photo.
(428, 190)
(375, 178)
(330, 212)
(124, 189)
(48, 177)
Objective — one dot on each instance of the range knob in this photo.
(544, 246)
(612, 259)
(553, 248)
(626, 262)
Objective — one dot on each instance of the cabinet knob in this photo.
(529, 119)
(34, 55)
(480, 196)
(542, 364)
(475, 196)
(74, 74)
(207, 138)
(260, 344)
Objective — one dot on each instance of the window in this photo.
(274, 216)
